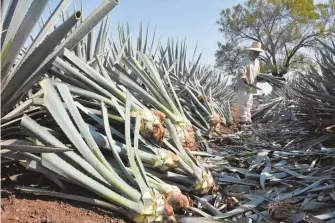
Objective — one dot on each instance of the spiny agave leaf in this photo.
(332, 195)
(293, 173)
(58, 112)
(297, 192)
(139, 40)
(244, 207)
(326, 216)
(146, 40)
(312, 219)
(88, 200)
(131, 154)
(119, 109)
(21, 146)
(201, 153)
(111, 143)
(22, 107)
(99, 120)
(208, 206)
(259, 158)
(59, 63)
(52, 20)
(152, 45)
(314, 205)
(82, 126)
(47, 46)
(36, 166)
(98, 44)
(105, 32)
(96, 76)
(150, 84)
(200, 212)
(17, 88)
(266, 171)
(26, 27)
(102, 69)
(180, 148)
(47, 138)
(136, 150)
(91, 184)
(14, 16)
(323, 188)
(155, 75)
(194, 98)
(237, 181)
(90, 45)
(130, 49)
(184, 219)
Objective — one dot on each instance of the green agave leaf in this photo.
(131, 154)
(57, 110)
(21, 146)
(243, 208)
(88, 200)
(26, 27)
(47, 138)
(70, 42)
(111, 143)
(91, 184)
(266, 171)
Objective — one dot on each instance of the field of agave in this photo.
(136, 125)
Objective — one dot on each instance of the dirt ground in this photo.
(21, 207)
(234, 126)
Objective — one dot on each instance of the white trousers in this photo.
(245, 101)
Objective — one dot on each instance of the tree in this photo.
(228, 56)
(287, 30)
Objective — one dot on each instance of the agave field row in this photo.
(118, 120)
(131, 120)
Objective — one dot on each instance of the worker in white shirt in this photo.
(246, 82)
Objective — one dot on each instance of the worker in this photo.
(246, 81)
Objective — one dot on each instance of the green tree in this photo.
(228, 56)
(287, 30)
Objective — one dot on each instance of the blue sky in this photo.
(193, 19)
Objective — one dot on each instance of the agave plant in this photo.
(104, 116)
(314, 91)
(197, 86)
(89, 168)
(201, 180)
(38, 60)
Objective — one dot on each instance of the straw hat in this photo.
(256, 46)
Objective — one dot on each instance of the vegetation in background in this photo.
(285, 29)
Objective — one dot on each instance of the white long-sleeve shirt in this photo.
(249, 70)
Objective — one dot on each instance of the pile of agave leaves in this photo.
(141, 127)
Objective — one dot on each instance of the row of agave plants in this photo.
(118, 120)
(314, 91)
(307, 98)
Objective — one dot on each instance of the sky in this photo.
(194, 20)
